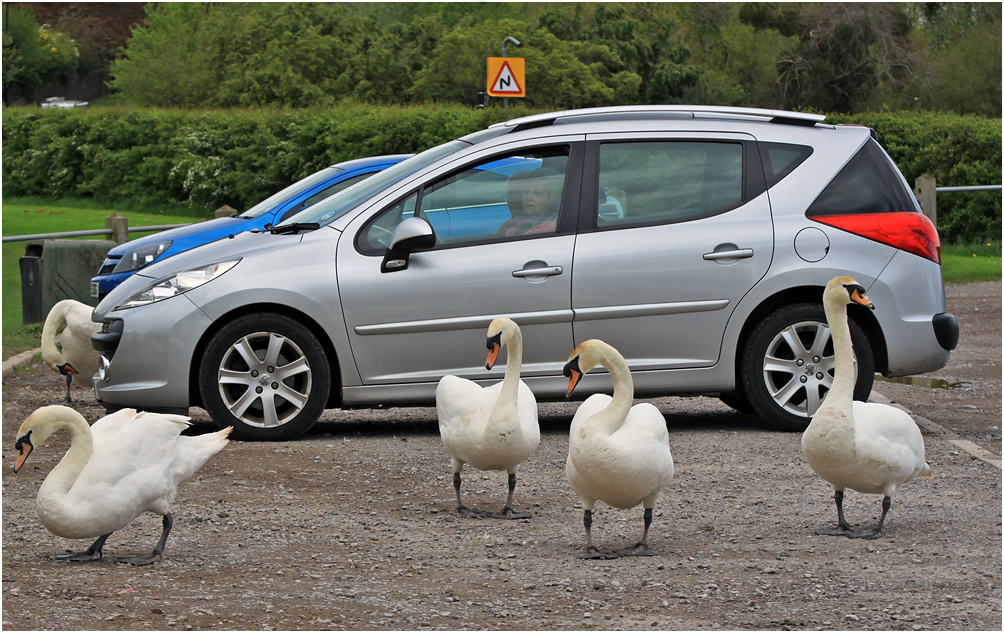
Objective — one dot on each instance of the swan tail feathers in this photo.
(926, 472)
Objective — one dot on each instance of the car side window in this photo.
(501, 198)
(670, 181)
(323, 194)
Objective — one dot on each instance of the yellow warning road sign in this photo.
(506, 77)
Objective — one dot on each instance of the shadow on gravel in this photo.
(375, 423)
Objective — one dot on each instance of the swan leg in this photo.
(91, 553)
(149, 559)
(641, 548)
(507, 512)
(592, 552)
(842, 529)
(876, 531)
(68, 401)
(463, 511)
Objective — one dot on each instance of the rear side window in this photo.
(869, 183)
(670, 181)
(780, 159)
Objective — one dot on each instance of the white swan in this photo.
(126, 464)
(78, 356)
(490, 428)
(617, 454)
(865, 446)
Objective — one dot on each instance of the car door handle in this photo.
(741, 253)
(547, 271)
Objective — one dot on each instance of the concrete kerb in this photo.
(930, 426)
(20, 360)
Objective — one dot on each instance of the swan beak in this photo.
(24, 447)
(573, 373)
(67, 368)
(858, 296)
(493, 355)
(494, 347)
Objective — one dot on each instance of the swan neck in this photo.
(50, 353)
(615, 413)
(513, 365)
(61, 478)
(843, 353)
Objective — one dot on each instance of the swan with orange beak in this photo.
(490, 428)
(617, 453)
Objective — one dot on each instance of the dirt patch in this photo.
(352, 527)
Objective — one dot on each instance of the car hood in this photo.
(209, 231)
(240, 246)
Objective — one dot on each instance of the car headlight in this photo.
(140, 256)
(177, 284)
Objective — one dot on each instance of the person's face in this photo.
(535, 199)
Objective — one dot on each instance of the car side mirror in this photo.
(411, 235)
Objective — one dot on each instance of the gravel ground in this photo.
(352, 527)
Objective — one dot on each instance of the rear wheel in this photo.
(266, 375)
(788, 365)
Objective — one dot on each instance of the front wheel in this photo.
(788, 365)
(266, 375)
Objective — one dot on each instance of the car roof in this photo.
(668, 111)
(370, 161)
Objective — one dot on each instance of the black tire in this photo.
(737, 400)
(771, 389)
(290, 389)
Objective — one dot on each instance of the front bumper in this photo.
(146, 355)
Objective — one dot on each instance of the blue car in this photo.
(125, 259)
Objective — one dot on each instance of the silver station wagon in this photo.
(696, 240)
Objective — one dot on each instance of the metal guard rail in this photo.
(131, 229)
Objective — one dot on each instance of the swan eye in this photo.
(493, 341)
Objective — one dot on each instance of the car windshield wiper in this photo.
(292, 228)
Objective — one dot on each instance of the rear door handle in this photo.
(740, 253)
(547, 271)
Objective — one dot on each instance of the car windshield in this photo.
(329, 210)
(289, 192)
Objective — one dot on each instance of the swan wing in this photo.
(463, 408)
(140, 463)
(888, 436)
(110, 424)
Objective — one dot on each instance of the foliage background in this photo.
(835, 57)
(204, 159)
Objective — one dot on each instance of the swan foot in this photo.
(470, 513)
(640, 549)
(509, 513)
(138, 561)
(837, 531)
(92, 553)
(79, 557)
(592, 553)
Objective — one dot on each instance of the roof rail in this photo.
(802, 118)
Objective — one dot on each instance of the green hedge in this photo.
(205, 159)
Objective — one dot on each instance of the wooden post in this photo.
(119, 224)
(925, 190)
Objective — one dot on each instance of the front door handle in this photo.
(547, 271)
(740, 253)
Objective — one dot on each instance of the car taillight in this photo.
(909, 231)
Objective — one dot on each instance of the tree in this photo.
(845, 51)
(31, 54)
(166, 63)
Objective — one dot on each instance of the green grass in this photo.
(31, 216)
(979, 261)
